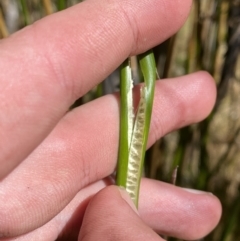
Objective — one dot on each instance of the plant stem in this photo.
(25, 12)
(133, 137)
(124, 142)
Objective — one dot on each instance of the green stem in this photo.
(61, 5)
(25, 12)
(123, 154)
(148, 67)
(133, 140)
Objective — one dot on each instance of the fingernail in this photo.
(196, 191)
(127, 198)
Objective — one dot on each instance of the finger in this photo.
(167, 209)
(46, 66)
(111, 216)
(173, 211)
(66, 225)
(83, 149)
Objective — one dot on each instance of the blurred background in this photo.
(207, 154)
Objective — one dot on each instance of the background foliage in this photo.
(208, 153)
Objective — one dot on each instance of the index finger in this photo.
(46, 66)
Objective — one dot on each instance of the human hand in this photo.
(53, 161)
(111, 215)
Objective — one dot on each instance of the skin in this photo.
(53, 162)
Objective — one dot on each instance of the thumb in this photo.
(111, 215)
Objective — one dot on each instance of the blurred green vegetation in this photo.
(208, 153)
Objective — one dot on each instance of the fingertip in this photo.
(177, 212)
(208, 211)
(112, 202)
(113, 196)
(209, 90)
(198, 90)
(108, 214)
(181, 101)
(125, 196)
